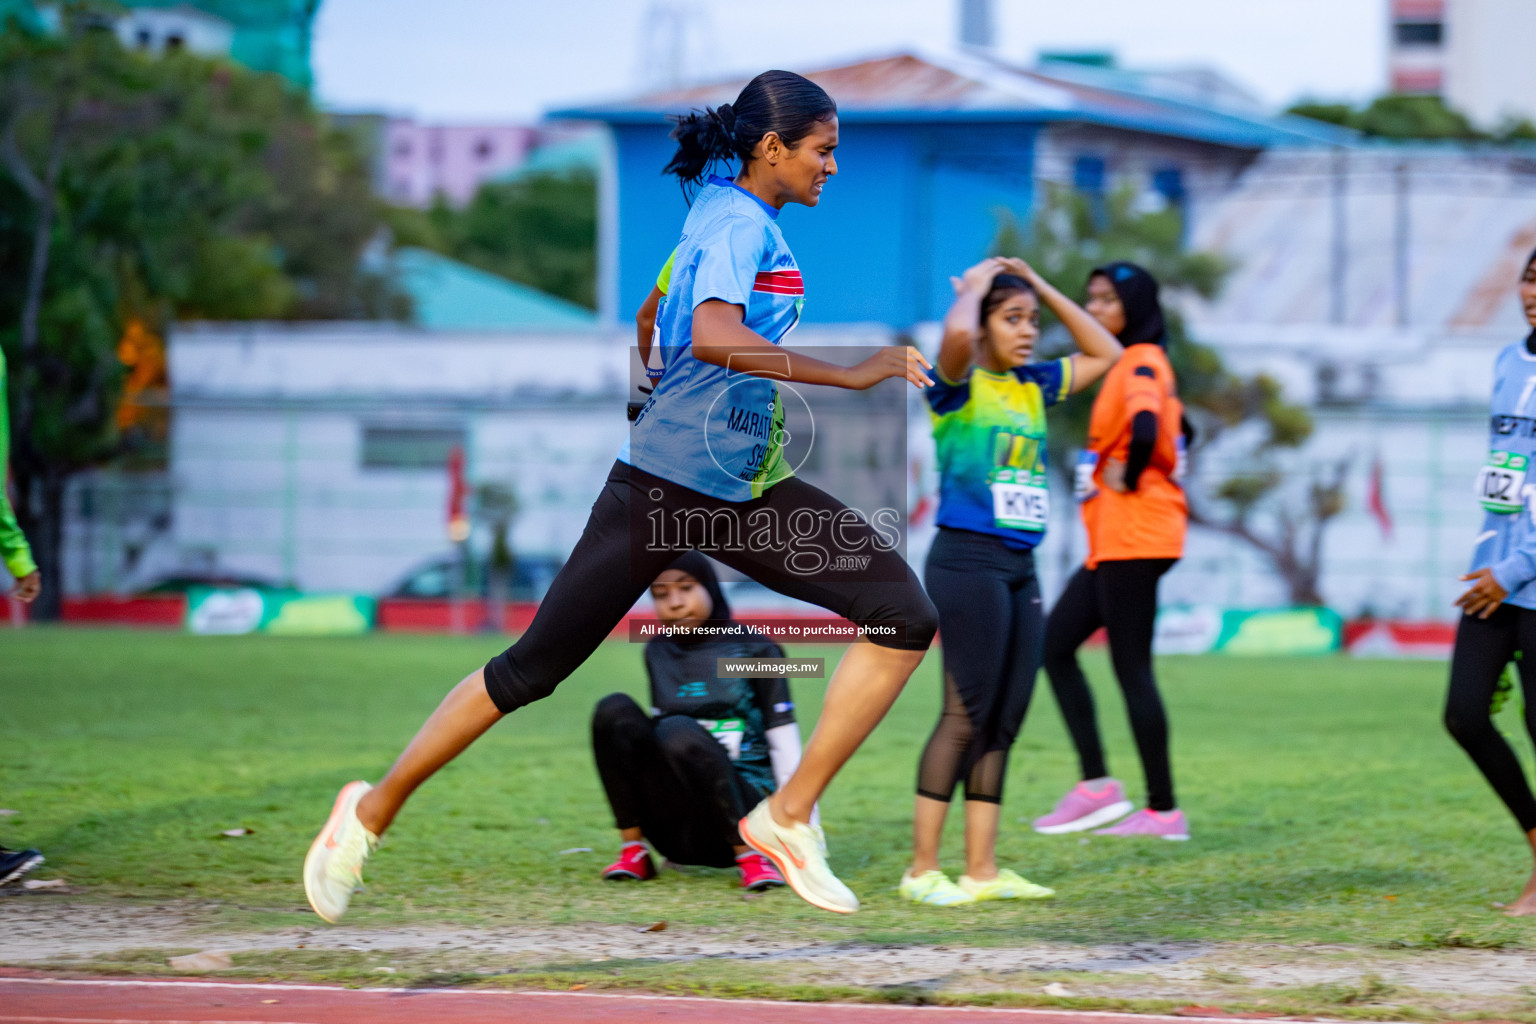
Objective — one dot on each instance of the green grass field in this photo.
(1326, 803)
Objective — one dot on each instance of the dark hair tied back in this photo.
(781, 102)
(725, 114)
(1004, 287)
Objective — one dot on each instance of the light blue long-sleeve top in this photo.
(1506, 486)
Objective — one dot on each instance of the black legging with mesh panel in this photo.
(991, 620)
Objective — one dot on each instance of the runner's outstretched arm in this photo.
(720, 337)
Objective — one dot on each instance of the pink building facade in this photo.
(423, 161)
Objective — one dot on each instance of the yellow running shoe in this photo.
(800, 853)
(1008, 885)
(933, 889)
(333, 869)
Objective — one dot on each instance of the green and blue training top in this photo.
(989, 429)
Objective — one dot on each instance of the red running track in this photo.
(110, 1001)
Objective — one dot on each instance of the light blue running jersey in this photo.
(1506, 487)
(706, 427)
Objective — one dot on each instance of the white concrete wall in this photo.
(266, 448)
(1470, 224)
(1489, 73)
(283, 494)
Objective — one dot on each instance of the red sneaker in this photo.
(758, 872)
(634, 864)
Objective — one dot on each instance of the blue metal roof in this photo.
(449, 295)
(973, 88)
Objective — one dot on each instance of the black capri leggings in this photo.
(640, 523)
(1120, 596)
(1483, 648)
(991, 619)
(671, 779)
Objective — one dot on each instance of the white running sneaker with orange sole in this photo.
(800, 854)
(333, 868)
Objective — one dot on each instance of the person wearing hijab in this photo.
(681, 777)
(1133, 506)
(1498, 618)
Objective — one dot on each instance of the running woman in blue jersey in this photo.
(988, 411)
(705, 448)
(1499, 609)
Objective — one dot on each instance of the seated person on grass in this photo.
(681, 777)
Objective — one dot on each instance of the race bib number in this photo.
(729, 732)
(1020, 499)
(1082, 475)
(1501, 482)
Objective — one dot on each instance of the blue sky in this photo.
(499, 60)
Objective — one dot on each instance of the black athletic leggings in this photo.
(672, 780)
(1483, 648)
(1121, 596)
(640, 523)
(991, 619)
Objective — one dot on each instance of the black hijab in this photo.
(702, 569)
(1138, 295)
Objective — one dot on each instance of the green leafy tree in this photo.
(136, 190)
(1409, 118)
(539, 229)
(1247, 419)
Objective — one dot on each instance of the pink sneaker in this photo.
(1084, 808)
(1147, 822)
(758, 872)
(634, 864)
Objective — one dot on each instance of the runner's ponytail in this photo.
(781, 102)
(702, 139)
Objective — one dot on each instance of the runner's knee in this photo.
(509, 688)
(899, 615)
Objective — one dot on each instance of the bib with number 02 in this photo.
(1020, 499)
(1501, 482)
(729, 731)
(1082, 475)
